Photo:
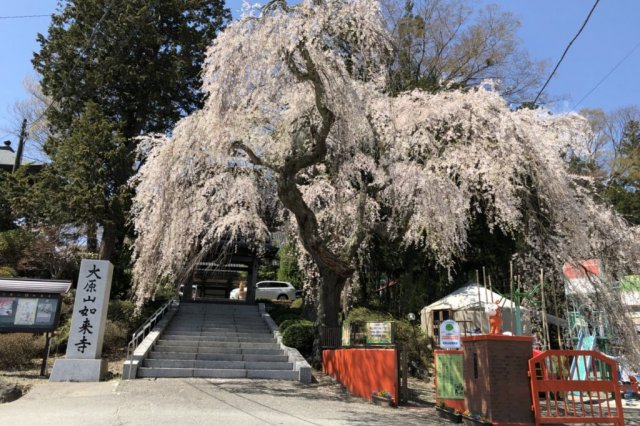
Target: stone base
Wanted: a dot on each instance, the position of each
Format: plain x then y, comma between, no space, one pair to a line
78,370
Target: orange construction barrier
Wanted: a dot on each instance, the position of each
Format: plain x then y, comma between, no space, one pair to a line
569,386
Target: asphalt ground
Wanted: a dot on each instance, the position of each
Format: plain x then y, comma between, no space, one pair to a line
213,402
201,402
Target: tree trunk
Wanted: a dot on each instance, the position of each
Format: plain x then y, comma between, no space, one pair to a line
328,319
92,238
108,243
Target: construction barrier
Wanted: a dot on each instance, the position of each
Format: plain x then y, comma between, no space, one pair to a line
569,386
363,370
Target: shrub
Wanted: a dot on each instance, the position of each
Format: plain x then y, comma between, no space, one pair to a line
364,314
299,336
288,323
297,304
408,337
284,317
8,271
115,337
17,350
413,340
121,310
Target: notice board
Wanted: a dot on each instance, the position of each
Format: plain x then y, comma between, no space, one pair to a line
29,312
449,375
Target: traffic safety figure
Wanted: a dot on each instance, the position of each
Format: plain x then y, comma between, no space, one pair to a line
495,317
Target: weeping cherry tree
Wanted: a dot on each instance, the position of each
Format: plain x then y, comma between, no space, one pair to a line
298,119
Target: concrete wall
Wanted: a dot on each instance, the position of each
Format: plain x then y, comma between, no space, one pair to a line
363,370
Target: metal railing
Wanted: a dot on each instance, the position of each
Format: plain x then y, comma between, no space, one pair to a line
138,336
331,337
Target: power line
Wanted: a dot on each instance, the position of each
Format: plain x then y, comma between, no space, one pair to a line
625,57
25,16
584,24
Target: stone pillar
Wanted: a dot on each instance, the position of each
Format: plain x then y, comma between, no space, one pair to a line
83,362
496,378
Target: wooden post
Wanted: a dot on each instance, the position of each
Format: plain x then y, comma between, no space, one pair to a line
484,282
490,288
511,280
545,326
45,356
478,284
555,312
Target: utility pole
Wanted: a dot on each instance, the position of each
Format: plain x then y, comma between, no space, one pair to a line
23,137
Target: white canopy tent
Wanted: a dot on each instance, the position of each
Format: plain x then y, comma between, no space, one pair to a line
466,306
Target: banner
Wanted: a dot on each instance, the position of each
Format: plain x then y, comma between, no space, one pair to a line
449,375
581,277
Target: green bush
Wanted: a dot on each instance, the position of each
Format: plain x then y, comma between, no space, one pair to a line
408,337
284,317
8,271
299,336
123,311
297,304
288,323
17,350
364,314
115,337
412,339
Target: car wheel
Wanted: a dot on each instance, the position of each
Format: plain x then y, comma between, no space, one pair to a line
283,297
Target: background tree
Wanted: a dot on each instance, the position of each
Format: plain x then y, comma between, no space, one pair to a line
611,161
127,67
298,116
623,189
445,44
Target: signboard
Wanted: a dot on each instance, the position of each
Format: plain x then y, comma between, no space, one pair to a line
449,335
449,375
29,312
582,276
380,333
346,334
90,310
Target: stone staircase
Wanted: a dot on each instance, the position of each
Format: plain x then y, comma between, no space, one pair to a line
217,340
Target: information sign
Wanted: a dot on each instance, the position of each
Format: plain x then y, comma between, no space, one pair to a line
449,335
29,312
380,333
449,377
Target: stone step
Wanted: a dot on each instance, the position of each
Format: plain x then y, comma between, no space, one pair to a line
218,357
217,365
218,338
217,373
218,333
209,350
218,324
214,344
262,328
219,327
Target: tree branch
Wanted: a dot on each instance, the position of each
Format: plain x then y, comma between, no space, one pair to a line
288,191
239,145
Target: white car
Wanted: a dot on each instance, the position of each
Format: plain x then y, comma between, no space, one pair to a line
280,290
235,294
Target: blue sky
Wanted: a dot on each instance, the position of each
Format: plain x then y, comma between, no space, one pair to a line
547,27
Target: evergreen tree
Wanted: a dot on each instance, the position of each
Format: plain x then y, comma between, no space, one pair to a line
624,188
114,69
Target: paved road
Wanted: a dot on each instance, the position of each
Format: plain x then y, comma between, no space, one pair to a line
210,402
200,402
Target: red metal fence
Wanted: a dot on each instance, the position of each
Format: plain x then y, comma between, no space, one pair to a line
570,386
